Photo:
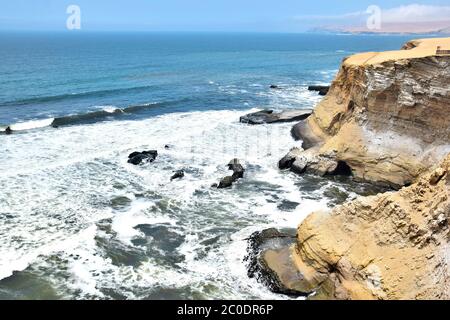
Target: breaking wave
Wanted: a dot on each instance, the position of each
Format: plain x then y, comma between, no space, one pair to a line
106,112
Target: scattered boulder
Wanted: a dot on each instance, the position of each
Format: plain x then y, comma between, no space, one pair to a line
258,117
238,173
166,147
133,154
269,116
137,158
274,86
226,182
323,90
177,175
237,168
286,162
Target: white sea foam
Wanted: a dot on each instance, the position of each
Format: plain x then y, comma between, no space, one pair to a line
124,223
62,183
33,124
110,109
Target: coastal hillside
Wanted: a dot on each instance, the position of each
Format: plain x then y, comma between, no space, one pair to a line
385,119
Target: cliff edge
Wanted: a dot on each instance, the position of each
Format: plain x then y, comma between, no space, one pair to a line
385,119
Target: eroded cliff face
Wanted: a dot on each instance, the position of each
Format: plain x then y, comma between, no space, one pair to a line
390,246
386,116
385,120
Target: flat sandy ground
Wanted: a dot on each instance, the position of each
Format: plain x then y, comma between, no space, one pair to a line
424,48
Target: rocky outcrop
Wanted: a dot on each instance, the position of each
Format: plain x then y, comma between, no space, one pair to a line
385,120
179,174
277,274
390,246
322,90
269,116
238,173
137,158
386,116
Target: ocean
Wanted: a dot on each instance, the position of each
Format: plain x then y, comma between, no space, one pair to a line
78,222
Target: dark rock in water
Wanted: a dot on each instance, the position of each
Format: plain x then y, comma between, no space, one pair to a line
238,173
8,130
166,147
144,156
137,159
178,175
226,182
258,117
151,153
323,90
268,260
237,168
274,86
214,185
286,162
269,116
133,154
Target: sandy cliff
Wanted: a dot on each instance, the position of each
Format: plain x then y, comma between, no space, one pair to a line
390,246
386,116
386,120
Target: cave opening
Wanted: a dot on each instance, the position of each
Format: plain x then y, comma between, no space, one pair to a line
342,169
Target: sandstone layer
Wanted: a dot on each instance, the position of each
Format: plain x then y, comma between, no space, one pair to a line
386,116
390,246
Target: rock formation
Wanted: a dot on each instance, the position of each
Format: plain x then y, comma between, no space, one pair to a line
386,116
177,175
268,271
269,116
390,246
385,120
238,173
137,158
322,90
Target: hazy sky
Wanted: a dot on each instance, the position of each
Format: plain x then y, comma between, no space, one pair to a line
208,15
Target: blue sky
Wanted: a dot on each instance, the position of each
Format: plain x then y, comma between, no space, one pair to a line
205,15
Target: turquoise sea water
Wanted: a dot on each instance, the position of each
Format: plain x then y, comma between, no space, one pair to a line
77,221
52,75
